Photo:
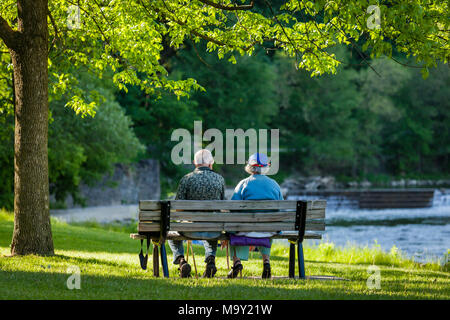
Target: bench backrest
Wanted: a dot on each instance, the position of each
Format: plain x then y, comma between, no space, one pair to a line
245,215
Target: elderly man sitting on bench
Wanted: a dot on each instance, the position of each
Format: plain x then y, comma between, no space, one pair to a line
201,184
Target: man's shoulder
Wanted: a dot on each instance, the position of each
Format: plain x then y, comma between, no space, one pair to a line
215,174
195,175
186,177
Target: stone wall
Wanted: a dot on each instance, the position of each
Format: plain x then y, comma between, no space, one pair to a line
128,185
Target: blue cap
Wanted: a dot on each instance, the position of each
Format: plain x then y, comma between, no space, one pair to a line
258,160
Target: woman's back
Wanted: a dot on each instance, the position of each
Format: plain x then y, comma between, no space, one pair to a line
257,187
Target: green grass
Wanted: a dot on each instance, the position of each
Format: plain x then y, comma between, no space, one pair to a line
110,269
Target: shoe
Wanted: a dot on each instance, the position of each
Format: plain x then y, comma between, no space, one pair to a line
237,267
266,274
185,269
211,269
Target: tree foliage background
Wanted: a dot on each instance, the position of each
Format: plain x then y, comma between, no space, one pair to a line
338,91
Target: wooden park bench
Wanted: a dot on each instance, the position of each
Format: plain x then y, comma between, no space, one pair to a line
164,220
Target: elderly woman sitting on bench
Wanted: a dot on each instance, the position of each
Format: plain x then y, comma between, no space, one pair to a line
256,187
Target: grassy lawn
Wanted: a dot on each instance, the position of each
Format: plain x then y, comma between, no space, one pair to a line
109,265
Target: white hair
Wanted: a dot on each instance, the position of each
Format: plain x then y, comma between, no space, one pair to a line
256,170
203,156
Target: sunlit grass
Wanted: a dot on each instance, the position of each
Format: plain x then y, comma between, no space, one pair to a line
109,269
374,255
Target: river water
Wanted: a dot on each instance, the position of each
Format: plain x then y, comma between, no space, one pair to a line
422,234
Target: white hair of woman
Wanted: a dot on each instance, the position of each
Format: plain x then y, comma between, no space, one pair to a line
256,170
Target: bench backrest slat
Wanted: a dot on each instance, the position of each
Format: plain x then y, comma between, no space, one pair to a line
212,215
230,204
220,226
231,217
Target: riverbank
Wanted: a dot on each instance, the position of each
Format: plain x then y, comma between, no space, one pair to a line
420,233
109,269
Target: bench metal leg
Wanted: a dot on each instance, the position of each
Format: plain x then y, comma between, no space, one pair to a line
292,260
301,261
155,261
164,260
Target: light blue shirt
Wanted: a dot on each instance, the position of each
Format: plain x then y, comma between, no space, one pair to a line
257,187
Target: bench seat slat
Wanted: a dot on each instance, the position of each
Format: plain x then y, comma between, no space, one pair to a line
218,226
177,236
231,217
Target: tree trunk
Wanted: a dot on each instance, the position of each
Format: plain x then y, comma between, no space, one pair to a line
32,230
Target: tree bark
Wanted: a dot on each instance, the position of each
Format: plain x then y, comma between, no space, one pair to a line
32,230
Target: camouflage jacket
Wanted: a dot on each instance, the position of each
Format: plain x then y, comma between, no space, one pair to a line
201,184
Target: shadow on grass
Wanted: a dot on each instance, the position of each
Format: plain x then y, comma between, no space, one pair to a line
74,238
35,285
121,280
71,259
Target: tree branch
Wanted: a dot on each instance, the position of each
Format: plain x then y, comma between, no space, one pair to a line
404,64
9,36
297,54
199,57
354,46
227,8
193,32
55,27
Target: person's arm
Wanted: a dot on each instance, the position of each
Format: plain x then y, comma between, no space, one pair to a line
222,196
182,190
278,191
280,194
237,195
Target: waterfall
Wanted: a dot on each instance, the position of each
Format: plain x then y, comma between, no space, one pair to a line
441,198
